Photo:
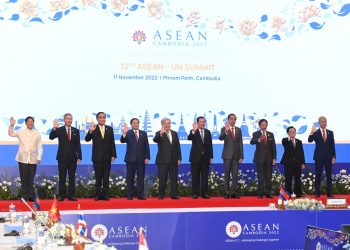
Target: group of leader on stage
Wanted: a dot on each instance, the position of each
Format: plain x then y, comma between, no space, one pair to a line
168,157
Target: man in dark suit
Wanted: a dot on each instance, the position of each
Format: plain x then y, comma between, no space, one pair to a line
324,154
168,158
201,156
232,154
103,153
264,158
68,155
136,157
293,160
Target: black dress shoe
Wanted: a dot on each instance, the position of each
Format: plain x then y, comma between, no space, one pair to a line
269,196
161,197
30,199
98,198
72,198
105,198
299,196
142,198
260,196
60,198
194,196
235,196
130,198
330,195
175,197
205,196
227,196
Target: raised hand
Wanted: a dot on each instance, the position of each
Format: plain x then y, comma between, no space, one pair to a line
162,131
227,127
55,123
92,127
194,126
125,129
12,121
313,129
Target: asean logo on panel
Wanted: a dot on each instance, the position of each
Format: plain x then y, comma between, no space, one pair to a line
139,36
233,229
99,232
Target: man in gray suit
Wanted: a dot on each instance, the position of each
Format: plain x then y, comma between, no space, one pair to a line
232,154
264,158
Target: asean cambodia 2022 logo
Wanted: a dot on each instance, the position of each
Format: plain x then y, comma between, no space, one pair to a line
99,232
139,36
233,229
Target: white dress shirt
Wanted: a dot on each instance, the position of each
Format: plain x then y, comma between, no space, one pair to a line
30,146
169,136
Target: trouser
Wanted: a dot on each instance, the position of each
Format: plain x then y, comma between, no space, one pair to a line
318,174
63,168
200,172
231,171
264,171
163,171
27,173
131,169
293,171
102,171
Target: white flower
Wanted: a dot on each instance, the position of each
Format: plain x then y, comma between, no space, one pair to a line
29,8
279,24
308,12
246,27
310,183
155,8
49,187
122,188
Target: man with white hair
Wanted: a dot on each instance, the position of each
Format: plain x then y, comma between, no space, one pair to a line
168,158
324,154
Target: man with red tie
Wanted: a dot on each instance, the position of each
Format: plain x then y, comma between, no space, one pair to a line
324,154
232,154
136,157
264,158
68,155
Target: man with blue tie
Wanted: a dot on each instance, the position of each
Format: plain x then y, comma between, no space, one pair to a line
324,154
136,157
201,156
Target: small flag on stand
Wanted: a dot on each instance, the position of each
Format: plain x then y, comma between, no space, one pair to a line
81,227
36,201
54,214
142,241
284,194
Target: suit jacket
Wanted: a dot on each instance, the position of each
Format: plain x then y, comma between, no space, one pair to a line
292,155
136,151
67,150
264,151
103,149
167,152
233,147
199,148
323,150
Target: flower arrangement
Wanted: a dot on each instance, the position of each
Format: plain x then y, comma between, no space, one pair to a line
247,184
304,204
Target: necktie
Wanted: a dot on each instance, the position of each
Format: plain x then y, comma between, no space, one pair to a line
324,137
293,140
167,134
136,136
233,132
264,137
202,135
102,129
68,133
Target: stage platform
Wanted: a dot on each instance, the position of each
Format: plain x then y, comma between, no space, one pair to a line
152,203
187,224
